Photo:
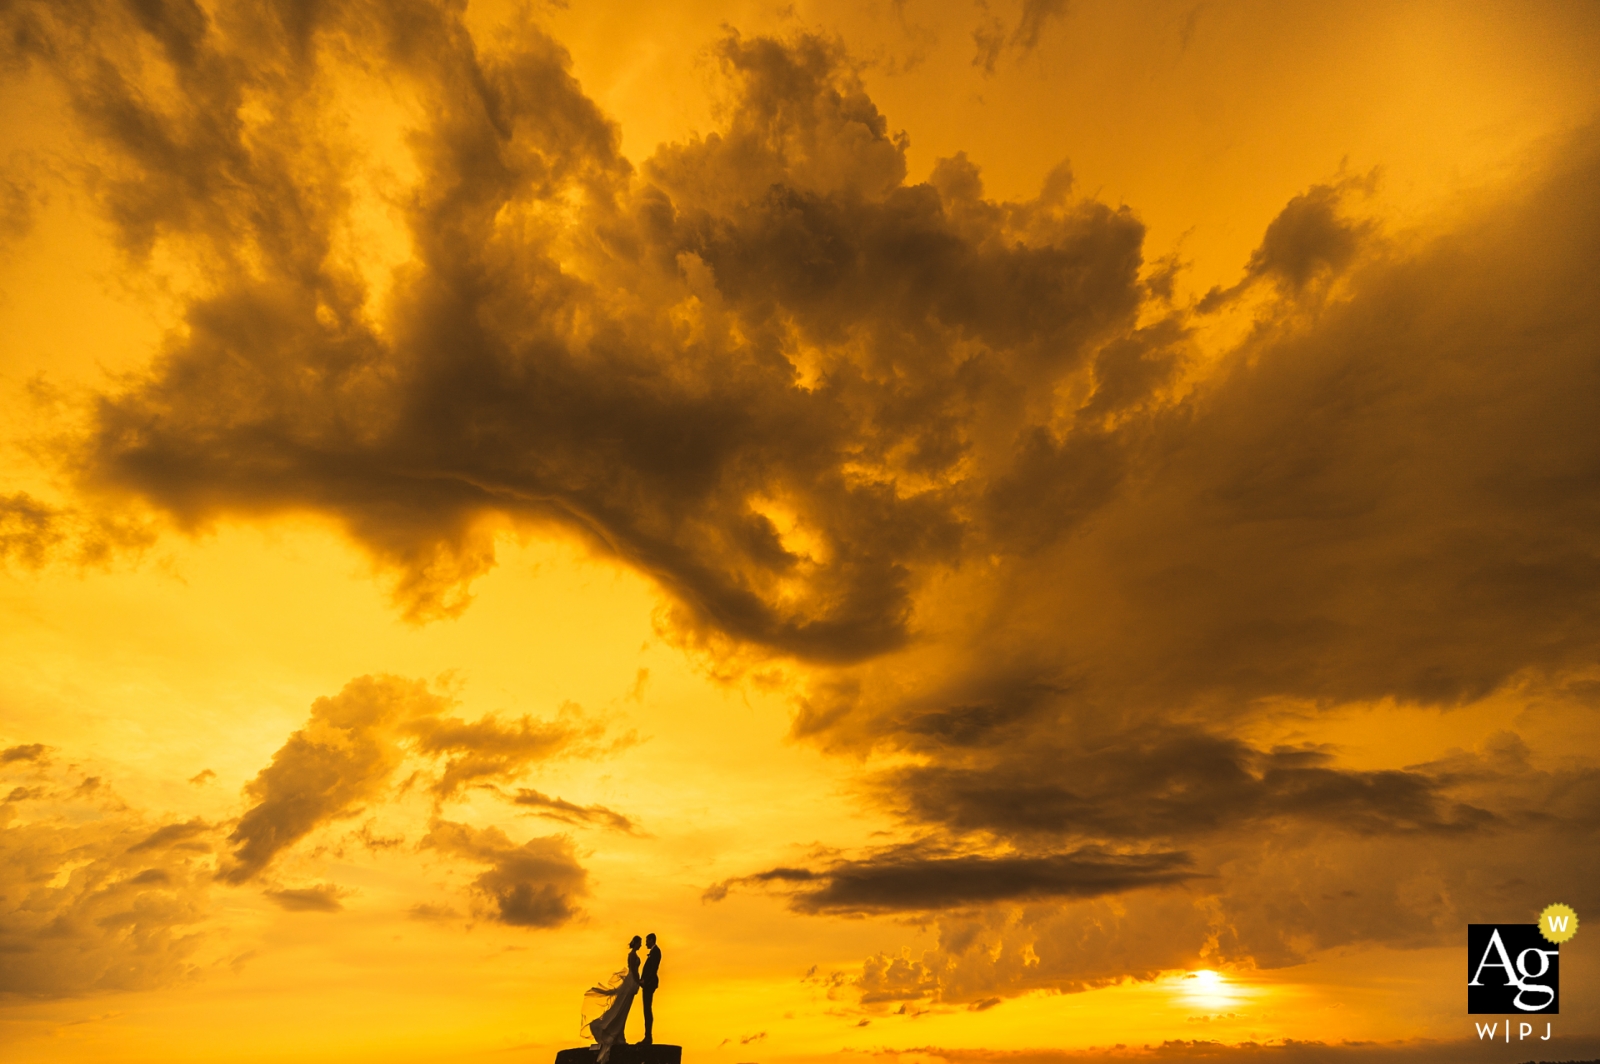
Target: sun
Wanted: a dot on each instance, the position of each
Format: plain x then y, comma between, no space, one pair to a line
1207,989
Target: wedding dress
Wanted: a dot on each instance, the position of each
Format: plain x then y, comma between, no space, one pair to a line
615,996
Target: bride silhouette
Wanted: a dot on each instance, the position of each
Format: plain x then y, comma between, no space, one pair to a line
615,996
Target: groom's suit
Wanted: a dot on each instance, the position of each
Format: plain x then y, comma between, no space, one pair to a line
649,979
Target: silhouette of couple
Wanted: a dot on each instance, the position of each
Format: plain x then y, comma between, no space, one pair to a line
617,996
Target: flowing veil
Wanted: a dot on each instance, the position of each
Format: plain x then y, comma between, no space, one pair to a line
598,998
605,1011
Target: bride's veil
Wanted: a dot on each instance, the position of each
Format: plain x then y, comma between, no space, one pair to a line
597,999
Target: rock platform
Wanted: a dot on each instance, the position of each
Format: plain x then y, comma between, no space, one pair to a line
655,1053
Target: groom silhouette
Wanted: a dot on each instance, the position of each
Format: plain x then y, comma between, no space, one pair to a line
648,981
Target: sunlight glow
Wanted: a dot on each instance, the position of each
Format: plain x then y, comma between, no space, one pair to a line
1210,991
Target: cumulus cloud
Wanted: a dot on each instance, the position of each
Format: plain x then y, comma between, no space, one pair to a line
349,750
342,758
536,884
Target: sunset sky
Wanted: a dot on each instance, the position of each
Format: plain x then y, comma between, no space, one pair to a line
1041,532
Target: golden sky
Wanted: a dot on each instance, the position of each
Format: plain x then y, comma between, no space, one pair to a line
1032,532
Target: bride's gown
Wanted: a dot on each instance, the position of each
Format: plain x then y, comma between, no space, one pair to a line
617,997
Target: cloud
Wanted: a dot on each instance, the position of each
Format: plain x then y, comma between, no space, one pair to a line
342,758
92,899
916,878
536,884
34,533
567,812
349,750
323,898
993,39
20,199
802,387
1311,235
719,891
1369,504
1025,783
25,752
488,749
28,530
764,372
1271,896
1312,238
181,836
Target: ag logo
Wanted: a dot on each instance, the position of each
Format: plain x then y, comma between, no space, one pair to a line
1511,968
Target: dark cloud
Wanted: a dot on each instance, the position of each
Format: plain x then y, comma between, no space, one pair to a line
536,884
571,813
1275,894
919,878
180,836
1407,439
801,386
759,373
1312,238
1311,235
323,898
1174,783
25,752
719,891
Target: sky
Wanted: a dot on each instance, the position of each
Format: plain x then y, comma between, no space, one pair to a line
1027,532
